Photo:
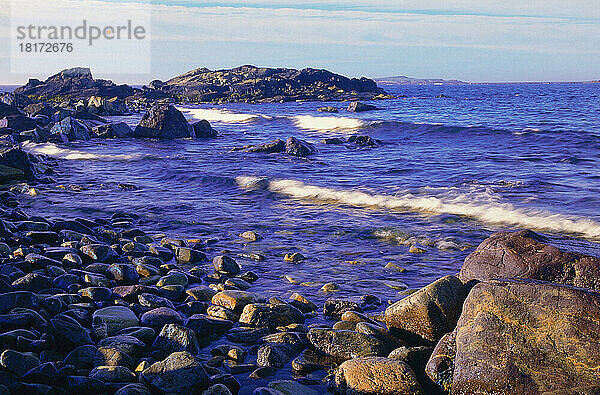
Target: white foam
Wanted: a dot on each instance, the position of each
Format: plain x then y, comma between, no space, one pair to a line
492,212
250,182
216,115
310,122
54,151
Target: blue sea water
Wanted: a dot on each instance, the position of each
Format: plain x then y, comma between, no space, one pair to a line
455,164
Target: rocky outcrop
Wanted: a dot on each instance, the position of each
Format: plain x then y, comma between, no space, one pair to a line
526,254
526,336
15,164
426,315
254,84
76,82
163,121
376,376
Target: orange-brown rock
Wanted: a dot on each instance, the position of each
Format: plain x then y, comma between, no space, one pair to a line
375,375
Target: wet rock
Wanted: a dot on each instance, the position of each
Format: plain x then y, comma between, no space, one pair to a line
83,384
310,360
431,312
336,307
298,147
133,389
217,389
330,287
160,316
17,362
177,374
302,303
234,300
294,257
201,293
115,318
360,107
120,350
226,265
526,254
113,374
247,335
222,312
271,315
173,278
525,336
202,129
45,373
174,338
141,333
205,326
11,300
271,147
376,376
363,141
290,387
185,255
276,354
112,130
327,109
32,282
71,129
333,141
69,331
344,345
81,357
96,294
123,273
440,366
165,122
250,235
154,301
98,252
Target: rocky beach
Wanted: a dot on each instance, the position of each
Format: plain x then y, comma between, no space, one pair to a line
102,295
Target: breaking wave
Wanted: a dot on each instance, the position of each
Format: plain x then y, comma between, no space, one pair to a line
52,150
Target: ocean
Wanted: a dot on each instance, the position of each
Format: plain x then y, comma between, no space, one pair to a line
454,164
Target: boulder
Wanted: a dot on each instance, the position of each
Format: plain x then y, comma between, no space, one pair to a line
174,338
7,110
112,130
39,108
70,129
260,314
15,158
344,344
202,129
374,375
179,373
165,122
428,314
227,265
526,336
19,123
360,107
270,147
115,318
234,300
526,254
298,147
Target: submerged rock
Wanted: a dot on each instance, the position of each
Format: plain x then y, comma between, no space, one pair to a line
298,147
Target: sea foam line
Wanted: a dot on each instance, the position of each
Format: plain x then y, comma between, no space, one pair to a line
487,212
52,150
217,115
310,122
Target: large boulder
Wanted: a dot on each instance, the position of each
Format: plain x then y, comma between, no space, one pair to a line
373,375
115,318
525,336
165,122
179,373
426,315
7,110
526,254
202,129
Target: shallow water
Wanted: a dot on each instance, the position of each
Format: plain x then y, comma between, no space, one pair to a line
449,171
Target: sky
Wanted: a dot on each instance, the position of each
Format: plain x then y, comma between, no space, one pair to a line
471,40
